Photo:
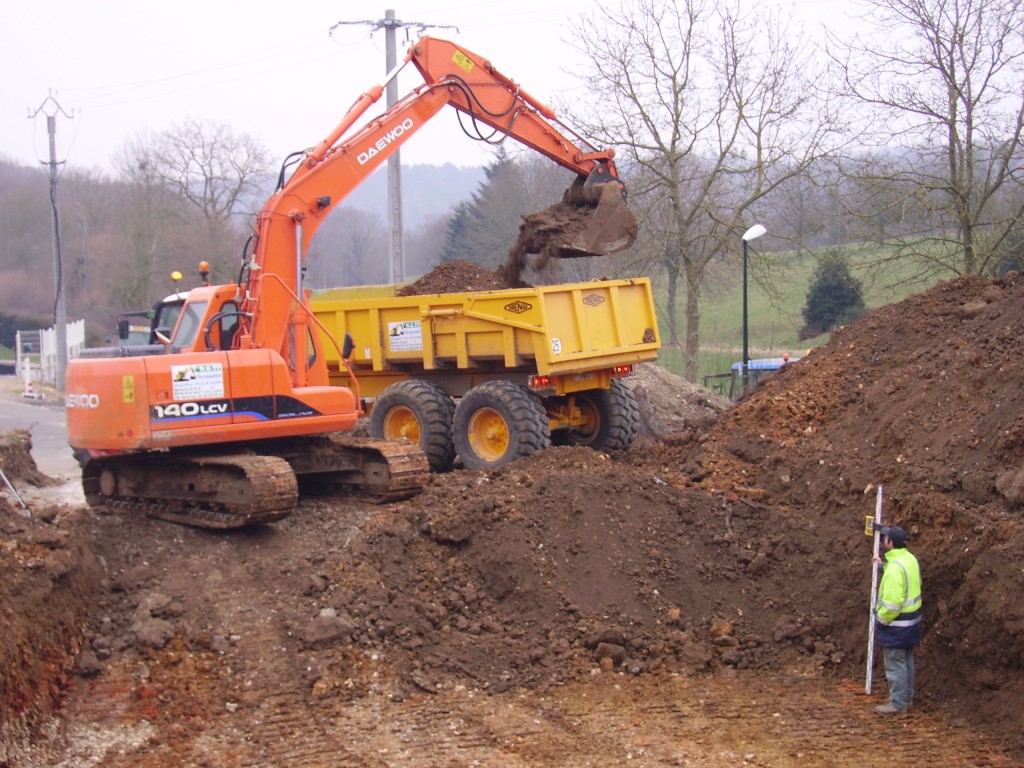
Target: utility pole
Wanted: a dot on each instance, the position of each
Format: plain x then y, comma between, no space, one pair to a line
389,24
51,108
394,162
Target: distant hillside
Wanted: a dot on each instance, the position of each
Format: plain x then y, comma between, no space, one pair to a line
428,191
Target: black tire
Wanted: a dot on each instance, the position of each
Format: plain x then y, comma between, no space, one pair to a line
612,419
497,422
421,412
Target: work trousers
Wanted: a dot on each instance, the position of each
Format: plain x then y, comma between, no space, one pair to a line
899,673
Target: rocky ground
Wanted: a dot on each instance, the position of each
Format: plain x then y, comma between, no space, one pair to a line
698,600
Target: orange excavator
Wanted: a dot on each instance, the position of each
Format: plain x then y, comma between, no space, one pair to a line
219,424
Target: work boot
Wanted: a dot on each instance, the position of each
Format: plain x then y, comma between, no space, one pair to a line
888,709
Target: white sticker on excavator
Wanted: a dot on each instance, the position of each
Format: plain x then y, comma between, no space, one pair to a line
405,336
197,381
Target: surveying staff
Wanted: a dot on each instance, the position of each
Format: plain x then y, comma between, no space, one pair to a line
898,615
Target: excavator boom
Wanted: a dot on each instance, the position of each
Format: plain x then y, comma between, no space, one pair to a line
588,221
218,425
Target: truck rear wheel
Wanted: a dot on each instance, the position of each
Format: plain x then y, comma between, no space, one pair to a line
497,422
421,412
611,419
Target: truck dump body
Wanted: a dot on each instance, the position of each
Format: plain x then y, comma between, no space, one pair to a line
490,376
564,332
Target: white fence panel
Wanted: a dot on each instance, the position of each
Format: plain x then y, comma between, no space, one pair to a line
37,351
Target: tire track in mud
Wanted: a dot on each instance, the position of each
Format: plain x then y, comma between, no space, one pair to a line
279,723
270,706
605,721
610,721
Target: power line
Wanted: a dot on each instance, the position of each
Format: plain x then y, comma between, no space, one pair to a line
216,74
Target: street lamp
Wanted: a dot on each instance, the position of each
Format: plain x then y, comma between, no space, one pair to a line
751,234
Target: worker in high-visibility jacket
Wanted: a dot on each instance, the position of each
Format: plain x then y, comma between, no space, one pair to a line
898,617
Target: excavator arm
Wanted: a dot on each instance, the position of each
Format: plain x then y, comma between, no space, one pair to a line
273,313
216,427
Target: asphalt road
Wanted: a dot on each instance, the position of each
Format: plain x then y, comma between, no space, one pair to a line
44,419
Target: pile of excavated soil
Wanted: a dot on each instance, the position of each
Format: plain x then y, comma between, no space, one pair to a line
47,583
16,458
542,570
924,399
921,398
672,408
723,540
457,277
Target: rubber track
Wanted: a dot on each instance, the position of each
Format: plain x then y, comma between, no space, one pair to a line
209,491
246,489
389,470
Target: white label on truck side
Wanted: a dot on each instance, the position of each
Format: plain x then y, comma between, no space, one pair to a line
405,336
197,381
556,346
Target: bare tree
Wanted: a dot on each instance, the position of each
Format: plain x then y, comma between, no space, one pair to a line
219,173
716,111
25,241
211,166
148,209
90,213
349,249
938,83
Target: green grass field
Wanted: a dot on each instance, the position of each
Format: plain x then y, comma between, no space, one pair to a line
774,318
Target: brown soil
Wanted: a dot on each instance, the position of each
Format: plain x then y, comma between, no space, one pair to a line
458,276
698,600
47,579
561,230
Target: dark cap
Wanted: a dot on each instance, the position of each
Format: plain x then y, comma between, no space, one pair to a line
896,534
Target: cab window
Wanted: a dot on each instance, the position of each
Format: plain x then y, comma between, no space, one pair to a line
189,323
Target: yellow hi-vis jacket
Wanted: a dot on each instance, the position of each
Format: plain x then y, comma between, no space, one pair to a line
898,607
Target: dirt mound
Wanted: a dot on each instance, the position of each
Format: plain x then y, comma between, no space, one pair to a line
725,540
47,579
671,407
541,570
457,277
16,458
923,398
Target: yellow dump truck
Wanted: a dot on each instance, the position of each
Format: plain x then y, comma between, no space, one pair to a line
491,376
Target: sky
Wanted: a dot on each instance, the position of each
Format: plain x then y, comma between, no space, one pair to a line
112,70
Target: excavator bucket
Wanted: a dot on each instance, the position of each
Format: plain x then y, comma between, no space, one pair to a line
591,219
608,226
